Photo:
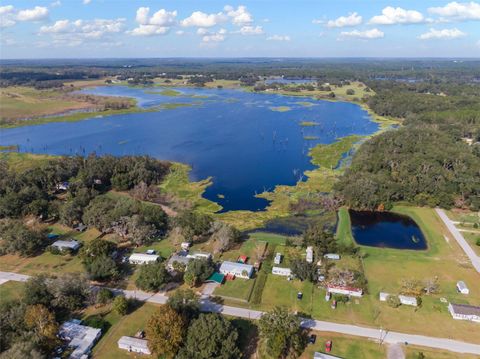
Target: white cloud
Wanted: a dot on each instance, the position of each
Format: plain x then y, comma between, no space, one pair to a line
251,30
478,44
447,34
202,19
215,37
318,21
391,16
9,16
157,24
367,34
56,3
202,31
458,11
240,16
180,32
352,19
279,38
86,2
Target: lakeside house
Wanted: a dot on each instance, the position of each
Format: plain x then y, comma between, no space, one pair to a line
71,245
79,337
278,258
464,312
407,300
332,256
177,259
134,345
309,257
345,290
237,269
462,287
143,258
287,272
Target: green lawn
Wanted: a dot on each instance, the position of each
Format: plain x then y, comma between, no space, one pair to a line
11,291
344,227
238,288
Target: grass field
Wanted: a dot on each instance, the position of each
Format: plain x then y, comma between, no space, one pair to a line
328,156
11,291
281,108
238,288
344,227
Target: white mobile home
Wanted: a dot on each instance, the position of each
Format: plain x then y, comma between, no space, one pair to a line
406,300
134,345
309,257
332,256
282,271
237,269
72,245
336,289
200,255
278,258
79,337
462,287
464,312
143,258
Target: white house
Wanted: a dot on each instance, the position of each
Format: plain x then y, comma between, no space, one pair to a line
406,300
383,296
62,245
237,269
143,258
185,245
199,255
278,258
332,256
134,345
179,259
462,287
309,258
337,289
79,337
282,271
464,312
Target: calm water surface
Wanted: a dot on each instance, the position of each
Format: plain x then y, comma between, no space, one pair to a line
386,229
237,138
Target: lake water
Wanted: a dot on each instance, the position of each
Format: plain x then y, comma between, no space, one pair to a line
245,141
386,229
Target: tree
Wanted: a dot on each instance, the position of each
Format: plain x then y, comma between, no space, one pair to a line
120,305
393,301
15,237
152,277
23,349
193,224
104,296
198,270
281,334
101,268
37,291
224,236
42,322
323,240
210,336
185,302
71,291
165,331
304,270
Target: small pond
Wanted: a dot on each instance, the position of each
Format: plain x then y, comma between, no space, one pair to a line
386,230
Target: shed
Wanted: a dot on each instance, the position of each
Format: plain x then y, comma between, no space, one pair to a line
242,259
79,337
237,269
185,245
69,245
278,258
216,277
332,256
462,287
406,300
52,236
135,345
282,271
143,258
383,296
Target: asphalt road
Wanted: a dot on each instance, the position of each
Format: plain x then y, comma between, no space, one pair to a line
460,240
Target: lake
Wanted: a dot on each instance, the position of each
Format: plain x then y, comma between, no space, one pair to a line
386,229
247,142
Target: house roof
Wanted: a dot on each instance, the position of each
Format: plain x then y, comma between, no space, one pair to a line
73,244
144,257
230,266
351,289
465,309
133,342
216,277
461,285
80,337
179,259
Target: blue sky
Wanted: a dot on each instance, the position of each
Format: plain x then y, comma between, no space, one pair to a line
212,28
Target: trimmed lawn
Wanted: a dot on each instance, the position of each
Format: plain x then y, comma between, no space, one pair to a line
129,324
163,247
11,291
238,288
472,239
344,227
413,351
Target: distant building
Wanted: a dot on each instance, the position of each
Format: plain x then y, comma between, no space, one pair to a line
278,258
383,296
237,269
72,245
177,259
143,258
81,227
282,271
309,257
406,300
185,245
79,337
337,289
462,287
134,345
199,255
464,312
62,186
332,256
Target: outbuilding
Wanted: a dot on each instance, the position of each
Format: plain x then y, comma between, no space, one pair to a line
407,300
199,255
71,245
237,269
79,337
462,287
464,312
332,256
143,258
134,345
282,271
383,296
278,258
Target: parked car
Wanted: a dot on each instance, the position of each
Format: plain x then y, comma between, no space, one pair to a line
312,339
299,295
328,346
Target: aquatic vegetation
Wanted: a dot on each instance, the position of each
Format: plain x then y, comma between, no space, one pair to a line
308,123
281,108
305,103
310,138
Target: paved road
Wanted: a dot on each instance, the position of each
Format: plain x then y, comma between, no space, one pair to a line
385,336
459,238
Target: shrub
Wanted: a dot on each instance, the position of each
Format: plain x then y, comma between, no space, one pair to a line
104,296
120,305
393,301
